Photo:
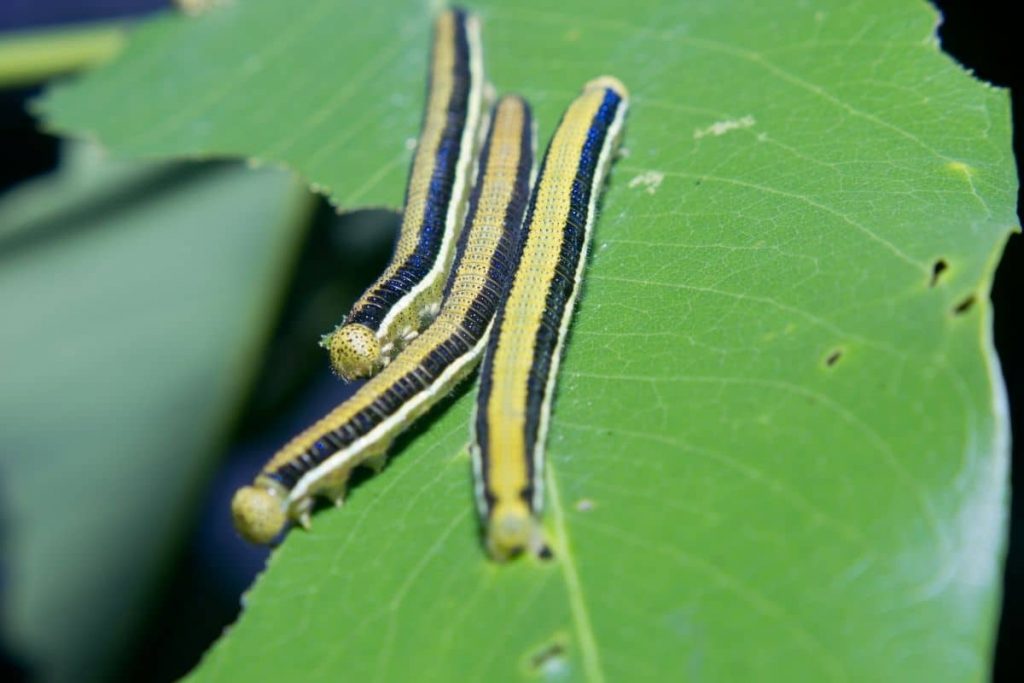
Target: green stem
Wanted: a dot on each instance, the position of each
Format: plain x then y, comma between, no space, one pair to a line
35,56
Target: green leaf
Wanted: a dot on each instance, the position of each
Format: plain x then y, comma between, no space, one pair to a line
135,300
780,439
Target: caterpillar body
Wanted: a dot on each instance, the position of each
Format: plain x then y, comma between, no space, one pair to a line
517,378
406,297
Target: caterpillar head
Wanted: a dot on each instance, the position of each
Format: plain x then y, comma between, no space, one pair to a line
511,530
607,83
355,351
259,514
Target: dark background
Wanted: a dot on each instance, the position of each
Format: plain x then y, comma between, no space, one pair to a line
200,596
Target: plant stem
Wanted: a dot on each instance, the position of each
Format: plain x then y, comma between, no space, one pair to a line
34,56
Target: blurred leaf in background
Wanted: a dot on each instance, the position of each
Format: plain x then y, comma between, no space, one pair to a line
780,440
136,298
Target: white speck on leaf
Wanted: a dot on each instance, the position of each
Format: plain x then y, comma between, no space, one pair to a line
722,127
649,181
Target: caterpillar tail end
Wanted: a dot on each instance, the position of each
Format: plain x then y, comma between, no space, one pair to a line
355,351
511,531
258,513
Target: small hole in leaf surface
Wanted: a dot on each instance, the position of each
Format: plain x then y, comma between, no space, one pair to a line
938,268
964,306
549,659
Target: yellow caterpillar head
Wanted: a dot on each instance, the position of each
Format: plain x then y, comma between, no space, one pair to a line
259,514
355,351
511,530
609,83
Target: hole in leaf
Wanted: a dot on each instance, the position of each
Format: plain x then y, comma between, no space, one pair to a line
938,268
964,305
549,659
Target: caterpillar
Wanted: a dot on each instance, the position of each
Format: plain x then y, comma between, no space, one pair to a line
197,7
517,378
406,297
319,460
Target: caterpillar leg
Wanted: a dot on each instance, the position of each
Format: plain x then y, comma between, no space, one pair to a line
336,493
377,458
334,486
302,511
429,312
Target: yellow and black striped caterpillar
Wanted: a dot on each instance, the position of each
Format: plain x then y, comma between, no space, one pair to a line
517,377
405,298
319,460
